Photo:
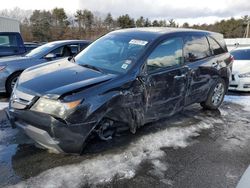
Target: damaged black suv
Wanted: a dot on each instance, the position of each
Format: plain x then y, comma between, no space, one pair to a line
123,80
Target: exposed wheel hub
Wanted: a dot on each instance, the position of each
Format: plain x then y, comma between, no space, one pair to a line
106,130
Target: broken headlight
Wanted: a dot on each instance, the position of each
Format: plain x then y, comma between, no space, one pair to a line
246,75
54,107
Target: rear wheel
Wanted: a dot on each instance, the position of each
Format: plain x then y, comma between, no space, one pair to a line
11,82
215,95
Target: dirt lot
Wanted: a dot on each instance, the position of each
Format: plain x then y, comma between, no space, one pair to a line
195,148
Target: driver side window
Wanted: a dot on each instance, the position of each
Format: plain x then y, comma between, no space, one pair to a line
63,51
167,54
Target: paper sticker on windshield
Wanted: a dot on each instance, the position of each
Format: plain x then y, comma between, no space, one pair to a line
124,66
128,62
138,42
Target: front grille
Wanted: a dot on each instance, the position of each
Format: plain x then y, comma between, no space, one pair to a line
21,100
235,86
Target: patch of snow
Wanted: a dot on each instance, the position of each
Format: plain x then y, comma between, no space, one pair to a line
3,105
122,164
241,100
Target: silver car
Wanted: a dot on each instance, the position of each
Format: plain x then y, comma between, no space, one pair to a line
12,67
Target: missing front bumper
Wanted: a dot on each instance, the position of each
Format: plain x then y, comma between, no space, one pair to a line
41,137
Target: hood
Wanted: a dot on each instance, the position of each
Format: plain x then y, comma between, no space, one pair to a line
14,59
241,66
58,78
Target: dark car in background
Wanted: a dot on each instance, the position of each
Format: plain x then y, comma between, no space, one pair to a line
31,45
12,67
122,81
11,43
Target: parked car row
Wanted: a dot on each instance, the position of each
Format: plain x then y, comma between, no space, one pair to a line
11,67
121,81
241,70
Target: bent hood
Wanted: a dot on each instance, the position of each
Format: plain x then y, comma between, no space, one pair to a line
241,66
56,79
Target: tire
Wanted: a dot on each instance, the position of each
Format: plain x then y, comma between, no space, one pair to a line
215,95
10,83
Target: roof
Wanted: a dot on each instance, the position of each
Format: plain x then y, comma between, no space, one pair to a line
154,32
242,48
6,18
67,41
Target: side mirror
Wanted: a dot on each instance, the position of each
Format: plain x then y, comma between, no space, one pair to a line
50,56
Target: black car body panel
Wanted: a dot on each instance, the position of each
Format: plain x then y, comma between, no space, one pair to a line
77,77
133,98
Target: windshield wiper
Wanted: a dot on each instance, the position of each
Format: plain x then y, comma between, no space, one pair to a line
92,67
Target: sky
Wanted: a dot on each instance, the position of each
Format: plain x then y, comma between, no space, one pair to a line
192,11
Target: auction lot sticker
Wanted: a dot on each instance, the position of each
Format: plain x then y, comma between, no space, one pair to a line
138,42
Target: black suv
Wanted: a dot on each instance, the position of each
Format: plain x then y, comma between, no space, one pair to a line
123,80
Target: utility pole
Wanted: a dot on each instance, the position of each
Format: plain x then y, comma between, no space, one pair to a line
247,29
246,34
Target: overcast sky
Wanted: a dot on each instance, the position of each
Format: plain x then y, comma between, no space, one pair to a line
192,11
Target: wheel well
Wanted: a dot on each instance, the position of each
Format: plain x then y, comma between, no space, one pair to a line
19,72
226,81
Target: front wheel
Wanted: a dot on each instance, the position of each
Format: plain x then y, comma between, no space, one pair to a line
215,95
11,82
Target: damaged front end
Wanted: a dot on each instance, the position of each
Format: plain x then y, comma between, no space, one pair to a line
63,125
45,121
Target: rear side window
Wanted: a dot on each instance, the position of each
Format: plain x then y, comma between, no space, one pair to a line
8,40
243,54
166,54
215,47
196,48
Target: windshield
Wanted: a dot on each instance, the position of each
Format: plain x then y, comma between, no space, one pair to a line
39,50
112,53
241,54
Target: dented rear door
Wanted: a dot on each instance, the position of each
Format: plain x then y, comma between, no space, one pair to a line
166,81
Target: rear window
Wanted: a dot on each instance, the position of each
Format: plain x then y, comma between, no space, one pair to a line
241,54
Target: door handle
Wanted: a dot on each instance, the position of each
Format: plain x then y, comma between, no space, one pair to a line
180,77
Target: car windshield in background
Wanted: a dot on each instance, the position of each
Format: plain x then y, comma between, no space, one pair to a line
39,50
114,54
241,54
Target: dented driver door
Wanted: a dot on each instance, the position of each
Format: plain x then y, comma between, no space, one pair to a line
166,80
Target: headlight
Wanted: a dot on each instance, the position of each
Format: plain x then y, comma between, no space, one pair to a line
246,75
54,107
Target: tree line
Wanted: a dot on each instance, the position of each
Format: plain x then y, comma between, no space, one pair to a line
56,24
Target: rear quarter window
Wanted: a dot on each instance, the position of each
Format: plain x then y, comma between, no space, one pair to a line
196,48
215,47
